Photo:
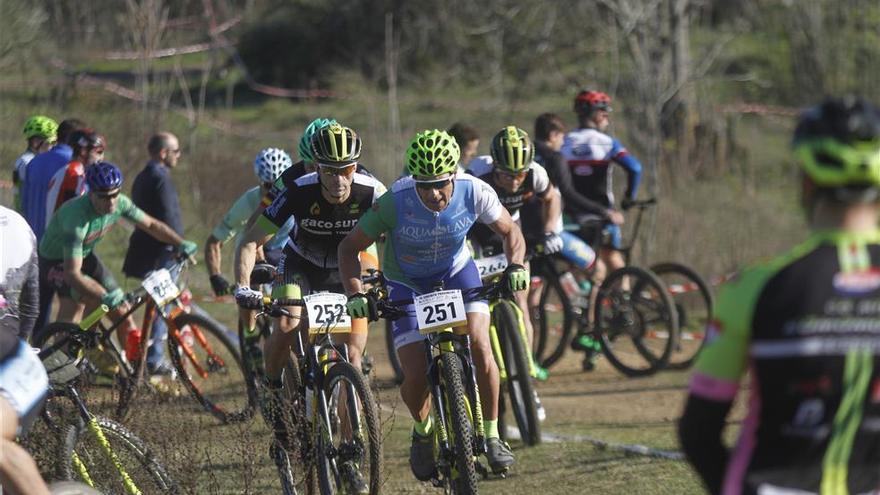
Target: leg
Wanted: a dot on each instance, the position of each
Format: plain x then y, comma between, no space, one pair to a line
414,389
18,471
277,347
484,360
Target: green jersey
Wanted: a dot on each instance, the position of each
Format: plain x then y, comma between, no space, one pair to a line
76,228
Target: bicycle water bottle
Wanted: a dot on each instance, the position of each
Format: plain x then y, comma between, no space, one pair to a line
572,290
133,345
187,336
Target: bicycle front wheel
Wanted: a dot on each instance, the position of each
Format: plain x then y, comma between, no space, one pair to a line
553,321
105,455
519,384
464,479
693,304
210,367
635,321
353,446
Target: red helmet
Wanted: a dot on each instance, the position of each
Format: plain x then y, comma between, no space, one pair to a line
587,101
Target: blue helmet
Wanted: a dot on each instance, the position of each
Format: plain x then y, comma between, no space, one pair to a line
103,176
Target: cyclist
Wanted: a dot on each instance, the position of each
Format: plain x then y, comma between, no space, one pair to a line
23,380
426,217
325,206
516,178
268,167
590,154
40,132
69,182
70,267
804,328
468,141
39,171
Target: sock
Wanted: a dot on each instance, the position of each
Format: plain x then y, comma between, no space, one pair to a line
491,427
250,333
424,428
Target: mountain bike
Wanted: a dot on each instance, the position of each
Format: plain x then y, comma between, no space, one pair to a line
690,293
205,358
93,449
340,434
510,348
459,433
633,319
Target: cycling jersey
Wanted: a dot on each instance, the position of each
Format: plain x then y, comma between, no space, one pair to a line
19,174
34,191
806,327
238,215
319,226
423,243
573,201
76,227
536,183
589,155
67,183
19,289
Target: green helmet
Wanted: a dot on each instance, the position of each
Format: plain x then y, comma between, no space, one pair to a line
837,143
336,144
305,142
40,126
432,153
512,149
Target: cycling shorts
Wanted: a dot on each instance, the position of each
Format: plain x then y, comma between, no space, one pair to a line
575,250
298,276
52,275
405,330
24,383
610,238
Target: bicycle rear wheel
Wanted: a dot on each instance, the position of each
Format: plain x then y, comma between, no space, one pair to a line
518,384
210,367
693,304
130,463
464,479
553,321
355,437
635,321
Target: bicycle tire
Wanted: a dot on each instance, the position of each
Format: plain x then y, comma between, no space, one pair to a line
234,385
552,339
396,368
520,388
152,477
299,427
647,296
694,306
368,415
452,375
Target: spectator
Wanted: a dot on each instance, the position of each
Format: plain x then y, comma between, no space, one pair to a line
154,192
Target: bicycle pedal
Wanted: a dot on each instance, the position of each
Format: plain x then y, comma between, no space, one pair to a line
482,471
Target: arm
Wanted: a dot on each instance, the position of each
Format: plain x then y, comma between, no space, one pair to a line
699,432
551,206
159,230
514,244
632,167
349,262
246,253
213,256
29,299
75,278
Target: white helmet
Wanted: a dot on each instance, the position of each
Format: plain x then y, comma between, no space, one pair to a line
270,163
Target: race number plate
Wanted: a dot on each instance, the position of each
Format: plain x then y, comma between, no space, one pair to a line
327,308
160,286
492,265
439,310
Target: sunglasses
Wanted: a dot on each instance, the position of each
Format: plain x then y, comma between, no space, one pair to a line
106,195
512,175
433,185
345,171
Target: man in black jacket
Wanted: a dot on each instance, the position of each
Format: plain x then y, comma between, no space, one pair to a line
154,192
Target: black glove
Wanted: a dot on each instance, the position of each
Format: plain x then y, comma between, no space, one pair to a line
263,273
220,285
626,203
